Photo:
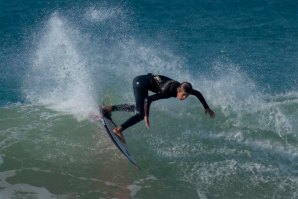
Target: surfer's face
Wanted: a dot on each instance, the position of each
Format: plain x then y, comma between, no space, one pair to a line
182,95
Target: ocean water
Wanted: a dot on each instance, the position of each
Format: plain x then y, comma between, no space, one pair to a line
60,59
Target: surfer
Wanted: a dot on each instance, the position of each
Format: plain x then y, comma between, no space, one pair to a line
164,88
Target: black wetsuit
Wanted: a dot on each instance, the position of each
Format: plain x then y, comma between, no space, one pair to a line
162,86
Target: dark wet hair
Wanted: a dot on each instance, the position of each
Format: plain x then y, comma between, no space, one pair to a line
186,87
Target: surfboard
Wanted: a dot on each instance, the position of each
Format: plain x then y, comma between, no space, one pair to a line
109,125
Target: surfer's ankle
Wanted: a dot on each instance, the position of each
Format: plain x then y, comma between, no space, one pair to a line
118,130
107,109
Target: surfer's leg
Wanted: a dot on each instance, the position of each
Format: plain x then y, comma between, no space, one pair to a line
132,121
107,110
123,107
140,87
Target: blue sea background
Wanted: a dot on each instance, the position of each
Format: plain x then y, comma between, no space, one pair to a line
61,59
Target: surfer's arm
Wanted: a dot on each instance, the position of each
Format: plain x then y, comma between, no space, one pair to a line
199,95
146,113
147,104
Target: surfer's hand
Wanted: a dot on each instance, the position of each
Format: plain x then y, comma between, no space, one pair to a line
209,112
146,118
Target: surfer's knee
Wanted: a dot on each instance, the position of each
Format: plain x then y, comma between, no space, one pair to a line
140,114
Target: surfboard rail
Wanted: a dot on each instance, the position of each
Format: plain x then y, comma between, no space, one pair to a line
109,125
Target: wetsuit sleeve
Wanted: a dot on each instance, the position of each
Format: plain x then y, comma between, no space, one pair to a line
200,97
152,98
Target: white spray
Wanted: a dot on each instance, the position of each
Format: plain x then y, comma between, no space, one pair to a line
59,77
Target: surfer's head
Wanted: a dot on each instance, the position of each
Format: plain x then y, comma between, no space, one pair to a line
184,90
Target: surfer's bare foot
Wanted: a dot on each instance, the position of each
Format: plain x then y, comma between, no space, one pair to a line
107,111
118,131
